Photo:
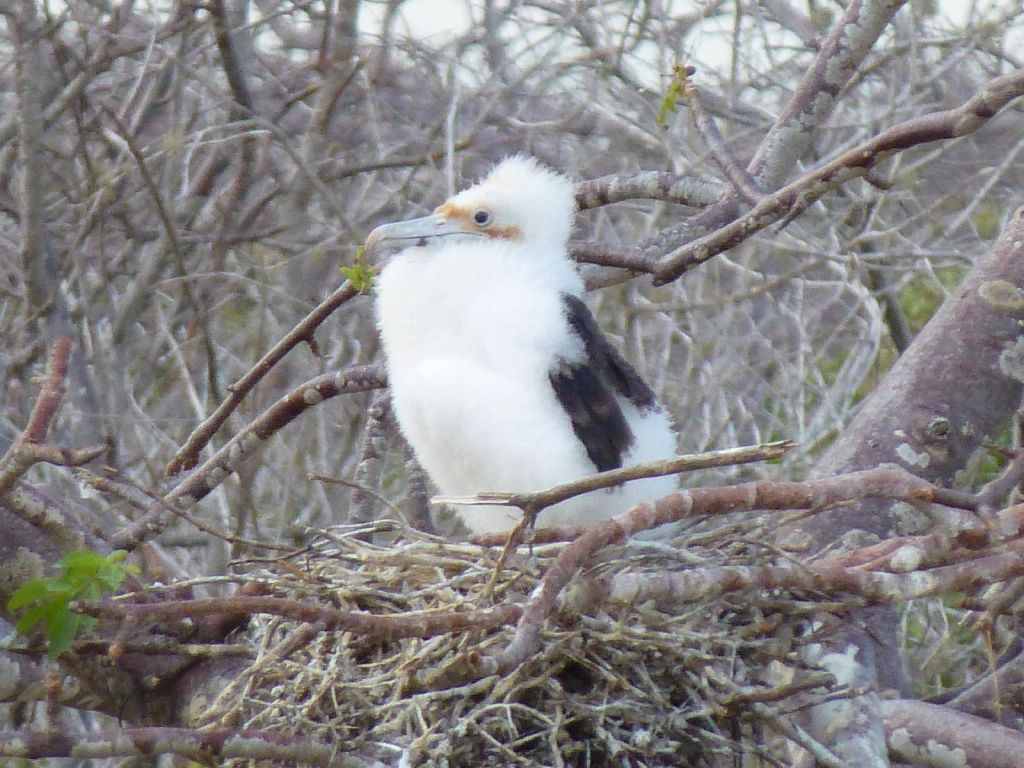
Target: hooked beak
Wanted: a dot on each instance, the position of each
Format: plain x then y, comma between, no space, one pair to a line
415,232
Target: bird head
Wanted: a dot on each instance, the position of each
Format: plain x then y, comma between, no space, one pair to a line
520,201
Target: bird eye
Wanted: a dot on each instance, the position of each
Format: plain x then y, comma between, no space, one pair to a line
482,218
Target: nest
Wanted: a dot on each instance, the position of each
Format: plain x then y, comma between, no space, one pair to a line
640,685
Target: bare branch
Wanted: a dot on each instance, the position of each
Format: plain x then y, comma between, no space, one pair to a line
227,460
824,577
17,461
28,34
188,455
743,183
229,59
919,733
794,198
371,458
188,742
541,500
793,20
844,48
885,483
648,185
380,627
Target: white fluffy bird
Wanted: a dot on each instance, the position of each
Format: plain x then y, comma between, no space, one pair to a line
500,378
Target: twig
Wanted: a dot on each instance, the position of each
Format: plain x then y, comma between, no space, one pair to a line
996,491
110,48
371,459
242,107
981,696
346,171
229,699
794,198
141,497
815,494
224,462
541,500
188,455
189,742
173,241
383,627
125,136
791,730
168,646
26,451
359,488
744,184
229,59
792,19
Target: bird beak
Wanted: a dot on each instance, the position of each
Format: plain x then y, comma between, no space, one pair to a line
415,232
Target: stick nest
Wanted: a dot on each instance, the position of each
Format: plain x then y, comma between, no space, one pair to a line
638,685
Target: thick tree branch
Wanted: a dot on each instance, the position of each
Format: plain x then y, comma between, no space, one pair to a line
826,577
841,53
937,737
921,416
534,503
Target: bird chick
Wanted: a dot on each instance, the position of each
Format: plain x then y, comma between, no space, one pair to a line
501,379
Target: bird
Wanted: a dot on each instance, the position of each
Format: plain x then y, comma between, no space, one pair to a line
501,379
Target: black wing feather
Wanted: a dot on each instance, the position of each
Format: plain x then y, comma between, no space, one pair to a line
587,388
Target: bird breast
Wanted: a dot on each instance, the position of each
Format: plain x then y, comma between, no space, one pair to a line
470,339
483,302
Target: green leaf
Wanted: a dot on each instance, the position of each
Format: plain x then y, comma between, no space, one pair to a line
360,273
61,630
29,592
82,575
673,95
81,562
116,557
107,582
113,570
30,618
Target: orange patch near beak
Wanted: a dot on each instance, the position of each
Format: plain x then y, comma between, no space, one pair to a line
450,211
464,218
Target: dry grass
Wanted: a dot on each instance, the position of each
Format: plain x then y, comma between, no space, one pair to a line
648,684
